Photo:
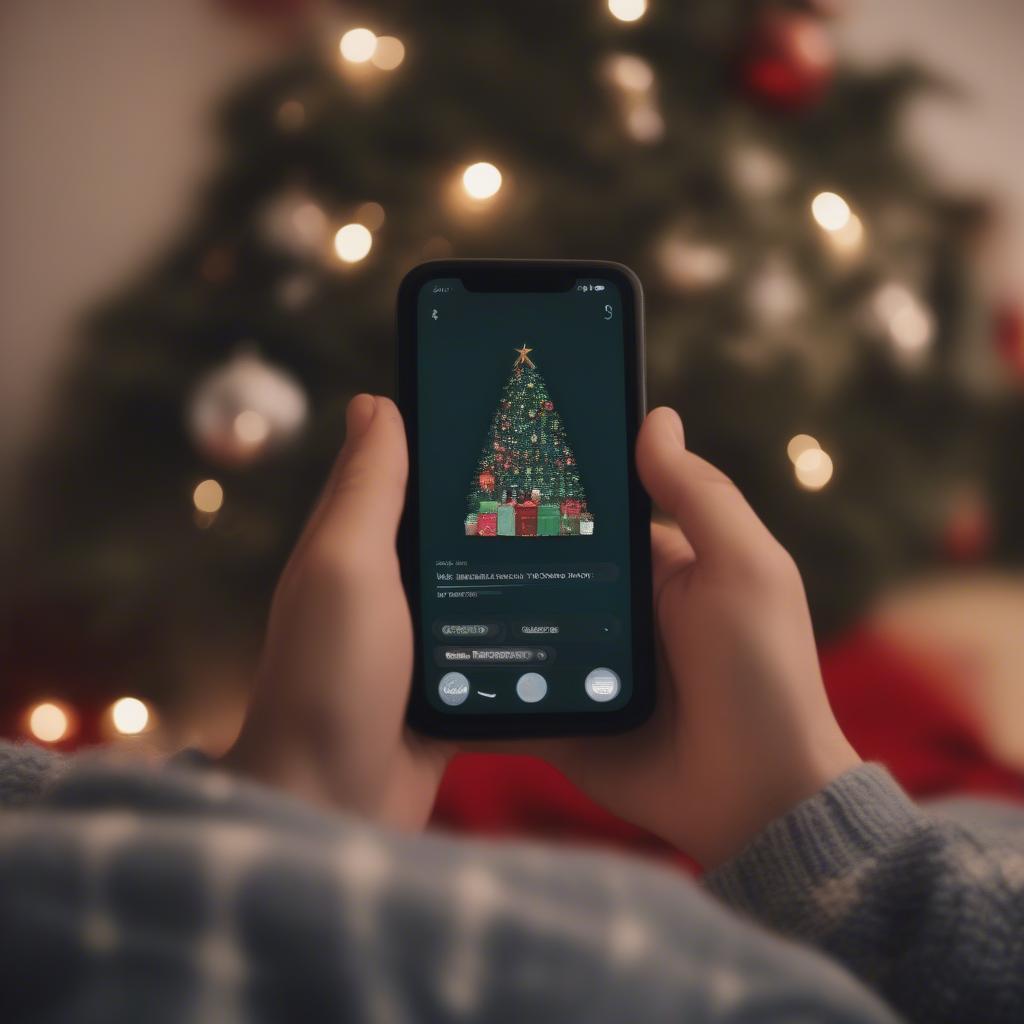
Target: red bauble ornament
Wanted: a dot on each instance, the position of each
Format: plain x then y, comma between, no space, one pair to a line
549,406
487,481
790,60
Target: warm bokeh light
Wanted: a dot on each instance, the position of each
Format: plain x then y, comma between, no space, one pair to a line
627,10
908,322
129,715
251,427
481,180
388,53
309,223
631,73
831,211
358,45
645,124
370,215
353,242
208,497
813,469
799,444
48,722
850,237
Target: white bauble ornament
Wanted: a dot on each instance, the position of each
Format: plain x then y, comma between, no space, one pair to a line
245,409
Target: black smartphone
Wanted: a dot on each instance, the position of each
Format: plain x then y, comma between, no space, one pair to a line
525,543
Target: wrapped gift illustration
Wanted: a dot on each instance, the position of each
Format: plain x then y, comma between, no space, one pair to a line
549,521
487,524
507,520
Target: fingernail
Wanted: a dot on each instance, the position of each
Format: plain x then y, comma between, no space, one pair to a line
359,416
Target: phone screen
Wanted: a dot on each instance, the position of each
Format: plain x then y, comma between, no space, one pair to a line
525,576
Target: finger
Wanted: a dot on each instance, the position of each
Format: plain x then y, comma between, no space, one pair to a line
362,502
671,554
714,517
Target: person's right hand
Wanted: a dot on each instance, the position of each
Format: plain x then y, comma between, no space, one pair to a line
742,730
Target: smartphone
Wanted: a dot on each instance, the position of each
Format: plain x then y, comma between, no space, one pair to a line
525,543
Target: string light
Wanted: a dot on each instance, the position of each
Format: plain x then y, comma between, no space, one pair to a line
645,124
353,242
251,428
481,180
129,715
633,74
799,444
371,215
358,45
813,468
627,10
831,211
849,238
49,722
908,322
208,497
388,53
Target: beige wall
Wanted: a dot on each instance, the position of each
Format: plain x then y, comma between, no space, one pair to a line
102,122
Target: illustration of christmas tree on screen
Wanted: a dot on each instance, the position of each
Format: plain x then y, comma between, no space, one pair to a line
527,481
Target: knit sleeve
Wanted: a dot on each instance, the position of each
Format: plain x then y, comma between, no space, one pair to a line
927,910
25,772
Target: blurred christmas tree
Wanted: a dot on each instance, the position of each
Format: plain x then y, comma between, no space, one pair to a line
809,299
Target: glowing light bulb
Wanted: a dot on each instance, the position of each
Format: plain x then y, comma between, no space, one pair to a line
208,497
482,180
48,722
129,715
813,469
388,53
831,211
358,45
627,10
353,242
799,444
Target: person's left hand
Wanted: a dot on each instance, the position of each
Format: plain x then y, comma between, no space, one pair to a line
327,720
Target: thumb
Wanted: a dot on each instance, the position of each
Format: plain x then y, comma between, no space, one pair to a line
363,500
706,504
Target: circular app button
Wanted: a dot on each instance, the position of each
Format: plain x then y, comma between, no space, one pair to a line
602,684
453,688
531,687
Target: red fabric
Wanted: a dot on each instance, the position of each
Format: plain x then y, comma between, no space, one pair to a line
891,706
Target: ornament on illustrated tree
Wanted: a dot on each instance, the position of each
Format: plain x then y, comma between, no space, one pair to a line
244,410
531,476
789,60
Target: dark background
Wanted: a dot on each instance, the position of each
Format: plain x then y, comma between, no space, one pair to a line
465,358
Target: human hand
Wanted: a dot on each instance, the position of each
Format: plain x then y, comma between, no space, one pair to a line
742,730
327,720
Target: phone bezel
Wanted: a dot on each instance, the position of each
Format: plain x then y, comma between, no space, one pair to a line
526,276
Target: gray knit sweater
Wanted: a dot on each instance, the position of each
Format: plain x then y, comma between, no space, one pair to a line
132,893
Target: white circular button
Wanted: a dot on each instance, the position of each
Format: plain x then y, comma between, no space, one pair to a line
453,688
602,684
531,687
